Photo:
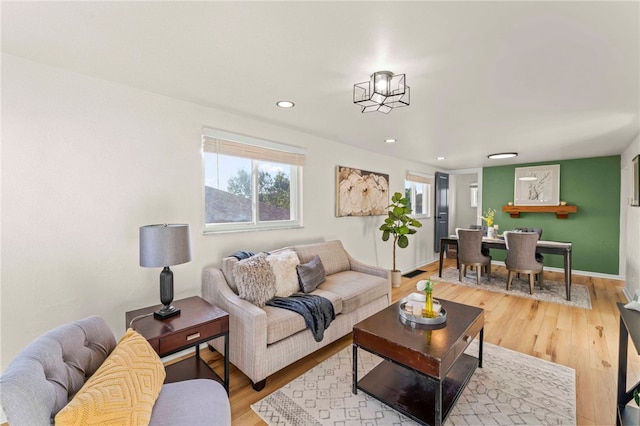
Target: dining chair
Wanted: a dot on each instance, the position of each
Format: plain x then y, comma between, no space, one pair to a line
521,257
485,250
470,253
539,256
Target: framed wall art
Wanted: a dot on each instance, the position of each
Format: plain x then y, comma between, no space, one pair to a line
537,186
361,192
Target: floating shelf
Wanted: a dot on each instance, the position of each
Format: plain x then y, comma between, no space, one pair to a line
562,212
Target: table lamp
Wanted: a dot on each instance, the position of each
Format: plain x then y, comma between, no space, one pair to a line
164,246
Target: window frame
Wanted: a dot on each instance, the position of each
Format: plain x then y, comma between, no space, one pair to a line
414,180
295,181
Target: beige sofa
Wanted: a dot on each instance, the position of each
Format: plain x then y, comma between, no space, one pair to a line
265,340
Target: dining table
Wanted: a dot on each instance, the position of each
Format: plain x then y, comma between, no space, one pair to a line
547,247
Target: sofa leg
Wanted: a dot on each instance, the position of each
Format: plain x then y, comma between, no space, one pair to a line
259,386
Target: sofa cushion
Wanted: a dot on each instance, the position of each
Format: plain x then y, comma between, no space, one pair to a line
283,264
255,279
282,323
227,270
311,274
332,253
356,289
122,391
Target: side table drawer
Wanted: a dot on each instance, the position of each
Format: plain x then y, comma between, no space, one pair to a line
187,337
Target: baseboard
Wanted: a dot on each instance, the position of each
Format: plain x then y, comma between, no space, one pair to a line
574,271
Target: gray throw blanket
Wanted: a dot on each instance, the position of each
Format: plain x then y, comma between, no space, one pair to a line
317,311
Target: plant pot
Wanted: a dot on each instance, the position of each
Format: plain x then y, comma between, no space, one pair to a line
396,278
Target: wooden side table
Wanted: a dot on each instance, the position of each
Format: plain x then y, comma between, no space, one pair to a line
629,329
198,322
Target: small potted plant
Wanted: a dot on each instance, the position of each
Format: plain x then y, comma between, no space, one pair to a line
400,225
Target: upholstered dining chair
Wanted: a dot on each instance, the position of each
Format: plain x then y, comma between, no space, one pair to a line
539,256
521,257
470,253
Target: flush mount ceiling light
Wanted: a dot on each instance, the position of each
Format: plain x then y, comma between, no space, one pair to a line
441,158
502,155
391,140
382,93
285,104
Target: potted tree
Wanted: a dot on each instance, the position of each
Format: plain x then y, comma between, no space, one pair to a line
400,225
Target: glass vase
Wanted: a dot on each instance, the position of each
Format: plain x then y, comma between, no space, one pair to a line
428,305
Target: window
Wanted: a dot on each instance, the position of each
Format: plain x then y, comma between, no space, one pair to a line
250,183
473,194
417,188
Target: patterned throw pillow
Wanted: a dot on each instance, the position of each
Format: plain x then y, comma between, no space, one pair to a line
122,391
311,274
255,280
283,264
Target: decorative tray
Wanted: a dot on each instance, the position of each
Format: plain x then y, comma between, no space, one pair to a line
441,318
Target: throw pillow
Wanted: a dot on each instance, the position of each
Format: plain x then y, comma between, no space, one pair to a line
255,280
122,391
311,274
283,264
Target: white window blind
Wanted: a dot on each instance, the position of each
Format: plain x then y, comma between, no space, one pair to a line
419,178
226,147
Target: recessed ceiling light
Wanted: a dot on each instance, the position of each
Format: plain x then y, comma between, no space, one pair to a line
502,155
285,104
441,158
391,140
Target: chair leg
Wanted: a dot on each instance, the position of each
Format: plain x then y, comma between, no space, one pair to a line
489,271
460,272
531,278
478,273
509,279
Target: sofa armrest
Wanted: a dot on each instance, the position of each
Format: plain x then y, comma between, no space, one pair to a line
247,324
368,269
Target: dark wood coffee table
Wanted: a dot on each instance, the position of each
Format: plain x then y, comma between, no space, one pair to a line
424,370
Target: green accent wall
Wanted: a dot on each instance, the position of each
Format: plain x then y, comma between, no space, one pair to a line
592,184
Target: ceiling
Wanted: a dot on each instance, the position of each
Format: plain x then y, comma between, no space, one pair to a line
550,80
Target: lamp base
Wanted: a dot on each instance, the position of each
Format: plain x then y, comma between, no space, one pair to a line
167,311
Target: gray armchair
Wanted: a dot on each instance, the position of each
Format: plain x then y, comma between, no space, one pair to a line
46,375
521,257
470,253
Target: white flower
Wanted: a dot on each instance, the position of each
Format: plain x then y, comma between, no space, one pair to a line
425,285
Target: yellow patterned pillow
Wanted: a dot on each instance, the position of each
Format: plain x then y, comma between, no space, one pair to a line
122,391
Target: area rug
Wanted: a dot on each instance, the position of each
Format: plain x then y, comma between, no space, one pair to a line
511,388
554,291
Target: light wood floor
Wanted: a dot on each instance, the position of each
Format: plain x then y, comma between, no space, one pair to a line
585,340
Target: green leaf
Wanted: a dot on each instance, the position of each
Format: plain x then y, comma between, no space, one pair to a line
403,241
385,236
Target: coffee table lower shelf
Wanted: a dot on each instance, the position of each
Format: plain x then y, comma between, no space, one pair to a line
413,394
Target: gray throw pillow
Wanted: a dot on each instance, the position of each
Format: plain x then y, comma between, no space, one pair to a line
311,274
255,280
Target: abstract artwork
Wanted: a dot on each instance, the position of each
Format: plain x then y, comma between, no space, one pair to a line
360,192
537,186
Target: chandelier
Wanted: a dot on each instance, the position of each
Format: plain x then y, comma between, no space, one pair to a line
382,93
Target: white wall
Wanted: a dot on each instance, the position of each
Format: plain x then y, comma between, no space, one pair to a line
465,215
86,162
629,223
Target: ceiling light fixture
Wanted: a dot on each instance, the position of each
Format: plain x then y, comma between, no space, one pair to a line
391,140
285,104
502,155
441,158
382,93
